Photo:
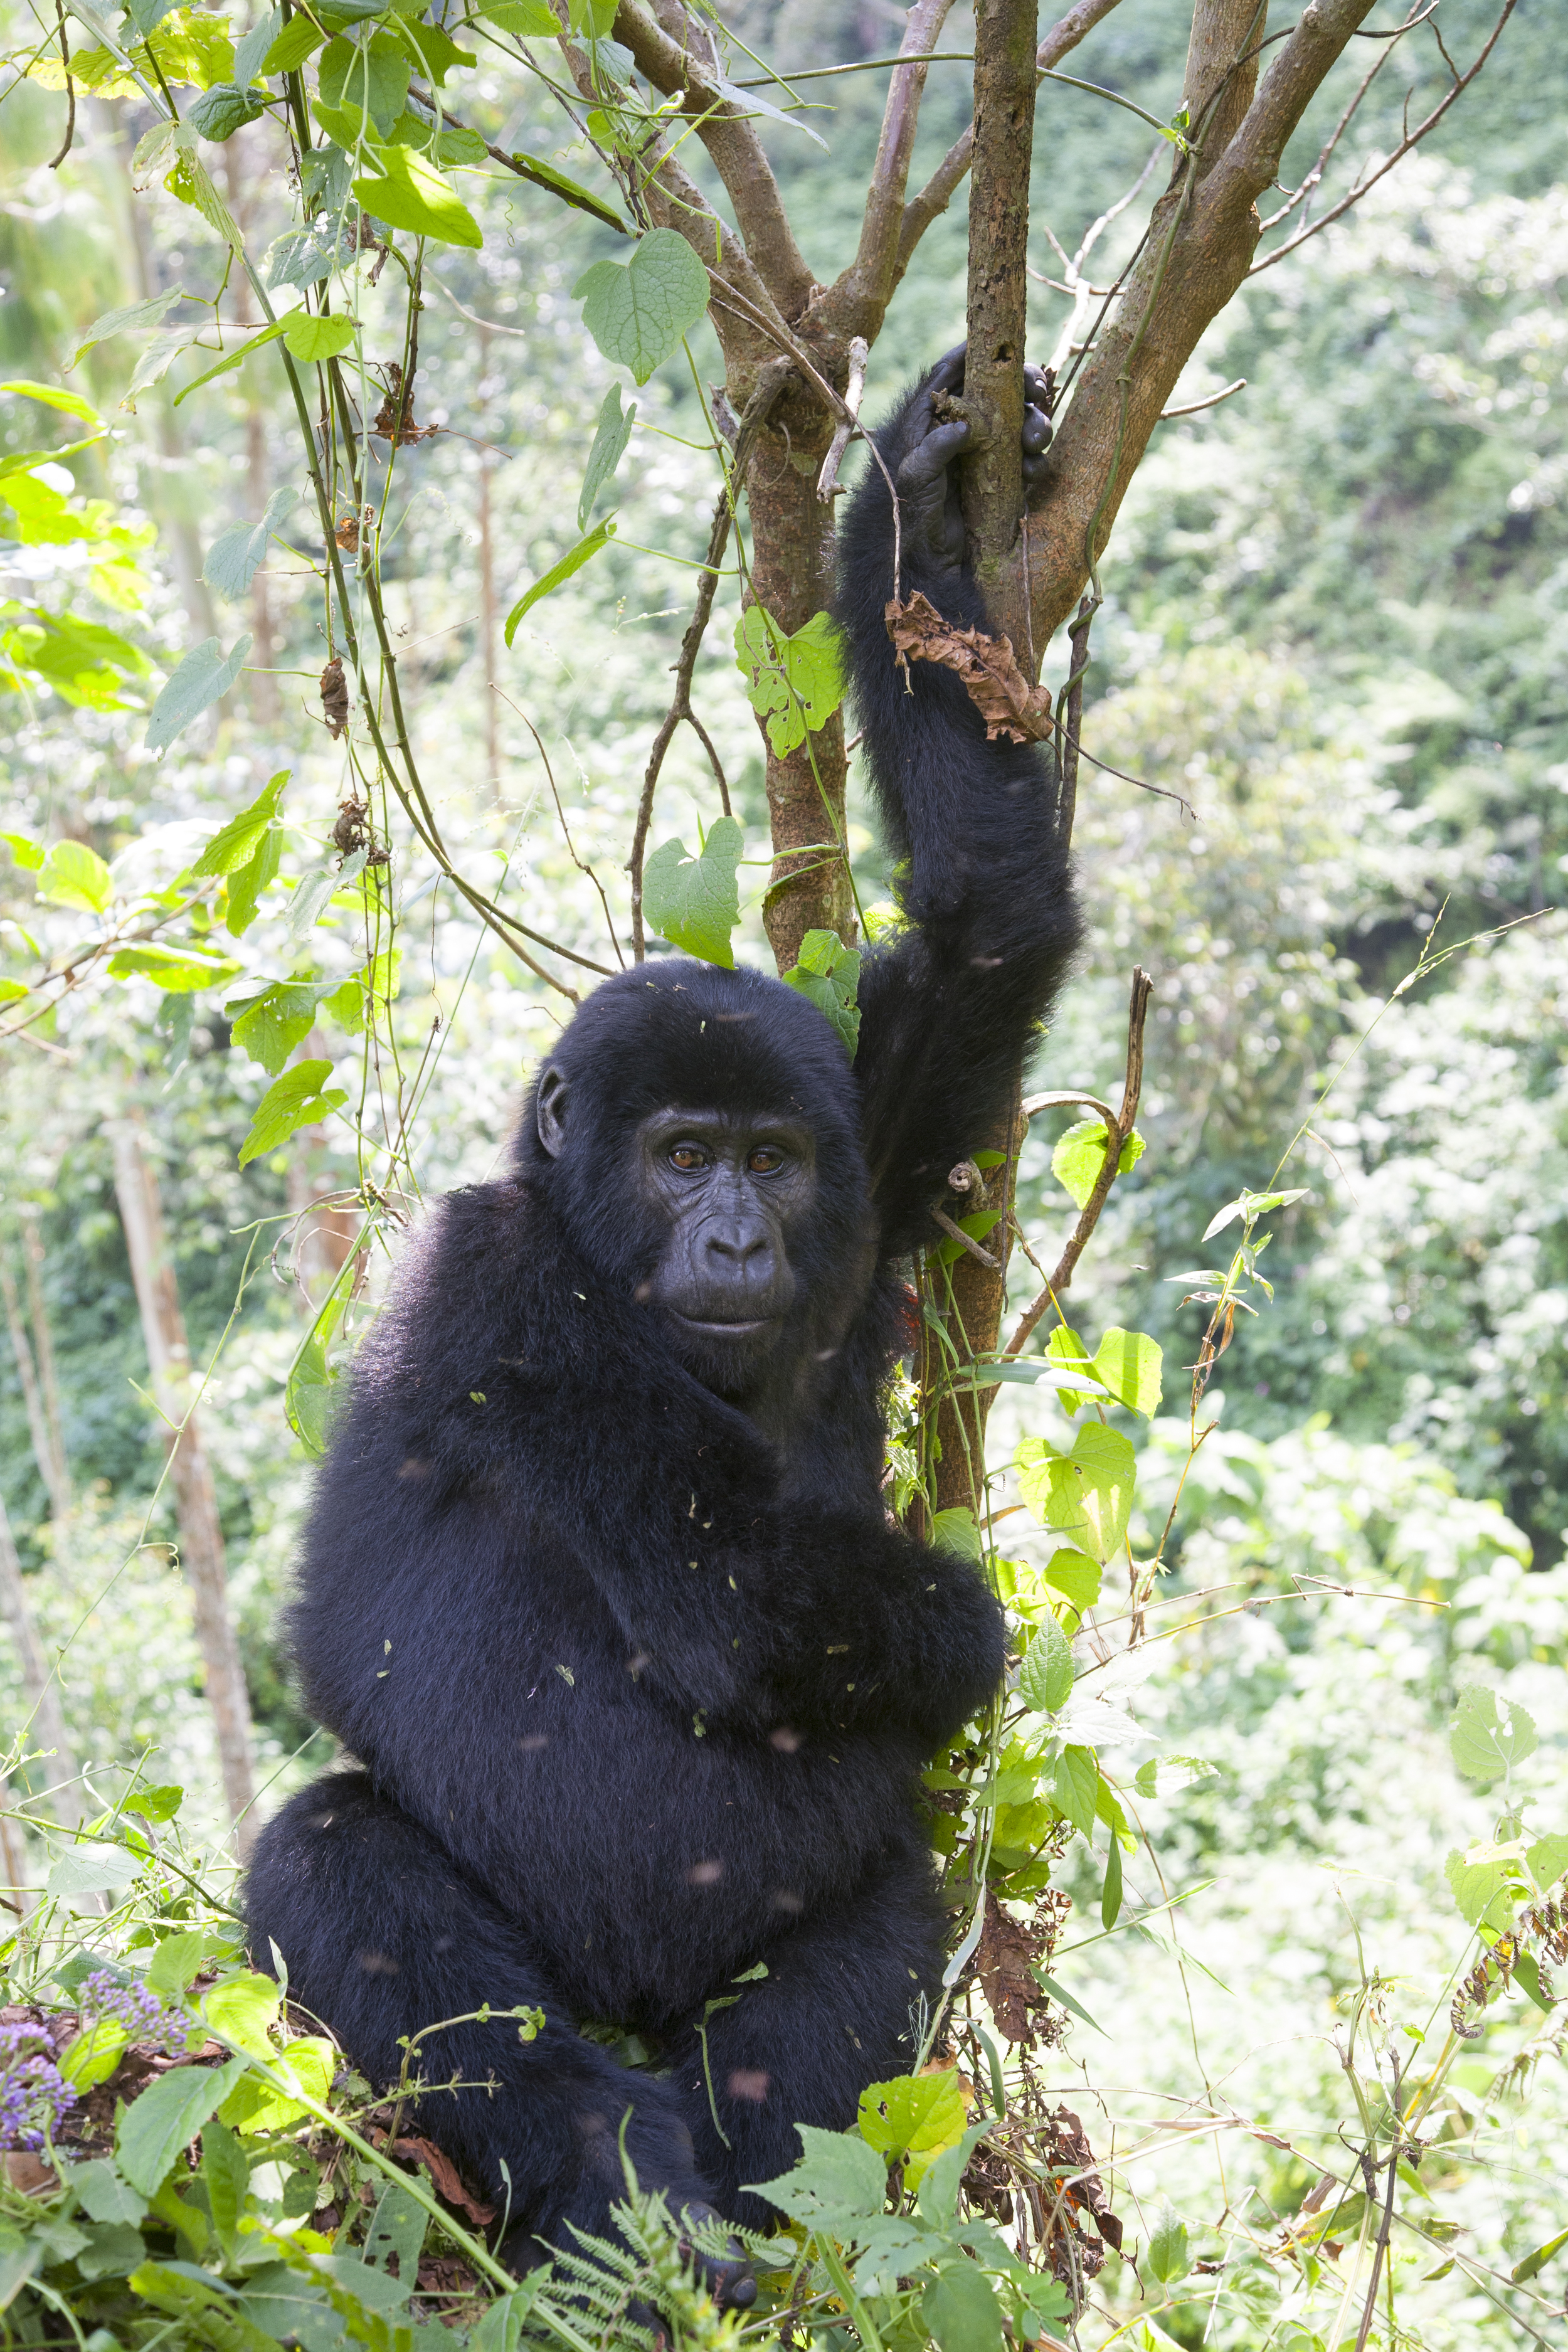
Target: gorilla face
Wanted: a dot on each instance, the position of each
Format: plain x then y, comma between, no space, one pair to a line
722,1195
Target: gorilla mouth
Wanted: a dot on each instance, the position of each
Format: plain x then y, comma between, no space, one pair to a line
738,1328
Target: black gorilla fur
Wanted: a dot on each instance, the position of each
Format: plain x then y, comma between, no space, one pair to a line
638,1688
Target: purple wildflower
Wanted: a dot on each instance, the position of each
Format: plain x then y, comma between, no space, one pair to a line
137,2008
34,2096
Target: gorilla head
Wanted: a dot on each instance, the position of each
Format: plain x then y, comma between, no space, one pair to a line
697,1131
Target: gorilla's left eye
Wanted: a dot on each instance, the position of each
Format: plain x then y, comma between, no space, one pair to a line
766,1160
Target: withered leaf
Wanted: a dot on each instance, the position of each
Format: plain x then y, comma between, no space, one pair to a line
335,697
1008,1948
393,420
445,2178
987,667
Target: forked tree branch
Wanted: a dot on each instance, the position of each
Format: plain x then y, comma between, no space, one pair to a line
858,301
945,181
661,45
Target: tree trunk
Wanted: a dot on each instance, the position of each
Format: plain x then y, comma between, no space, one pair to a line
49,1455
41,1689
195,1501
992,485
793,579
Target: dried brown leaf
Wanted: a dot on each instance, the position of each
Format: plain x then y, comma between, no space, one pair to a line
986,666
335,697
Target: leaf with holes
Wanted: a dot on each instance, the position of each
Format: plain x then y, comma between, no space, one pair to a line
1087,1493
695,902
1490,1735
794,683
912,2119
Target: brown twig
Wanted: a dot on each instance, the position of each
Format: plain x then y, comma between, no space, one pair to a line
1386,2225
1411,138
769,385
853,392
1117,1130
965,1241
55,161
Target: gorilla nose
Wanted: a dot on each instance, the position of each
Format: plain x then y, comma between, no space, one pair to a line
741,1249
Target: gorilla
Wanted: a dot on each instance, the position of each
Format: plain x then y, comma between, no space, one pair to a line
633,1673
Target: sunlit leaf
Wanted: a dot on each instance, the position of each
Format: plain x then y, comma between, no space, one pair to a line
1129,1362
695,902
912,2119
1490,1735
1483,1892
1087,1493
828,973
178,971
300,1098
792,683
1074,1784
408,193
1079,1156
1046,1677
572,561
122,320
53,397
72,875
237,553
239,839
202,679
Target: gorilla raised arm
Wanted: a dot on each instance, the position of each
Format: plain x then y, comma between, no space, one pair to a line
598,1589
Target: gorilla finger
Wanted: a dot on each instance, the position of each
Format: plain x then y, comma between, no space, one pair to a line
1037,432
931,458
948,373
1034,386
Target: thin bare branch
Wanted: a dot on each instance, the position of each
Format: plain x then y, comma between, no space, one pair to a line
871,277
1116,1131
661,44
1411,138
854,392
941,188
1196,407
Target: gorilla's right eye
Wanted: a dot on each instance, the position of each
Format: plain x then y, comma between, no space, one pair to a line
687,1157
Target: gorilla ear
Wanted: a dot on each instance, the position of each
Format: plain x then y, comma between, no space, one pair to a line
550,1109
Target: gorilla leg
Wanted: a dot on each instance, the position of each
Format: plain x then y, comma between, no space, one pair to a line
383,1934
833,2013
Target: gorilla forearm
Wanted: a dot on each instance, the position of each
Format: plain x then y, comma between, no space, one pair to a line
947,1012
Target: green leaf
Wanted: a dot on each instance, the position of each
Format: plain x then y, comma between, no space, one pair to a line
1249,1206
1059,1993
1078,1576
53,397
252,2106
1129,1362
1088,1494
165,2118
209,2314
1548,1859
571,192
222,111
1074,1786
225,2176
611,435
525,20
180,1958
637,314
178,971
961,2312
300,1098
957,1530
829,974
269,1024
1523,2271
792,683
1168,2257
239,839
1488,1737
838,2182
913,2118
294,44
121,319
1045,1678
103,2196
373,77
572,561
1527,1972
92,2056
437,51
1079,1156
245,888
93,1870
1064,1348
112,2251
1111,1895
695,902
72,875
237,553
251,54
202,679
411,195
1483,1893
309,338
12,991
29,855
243,2009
